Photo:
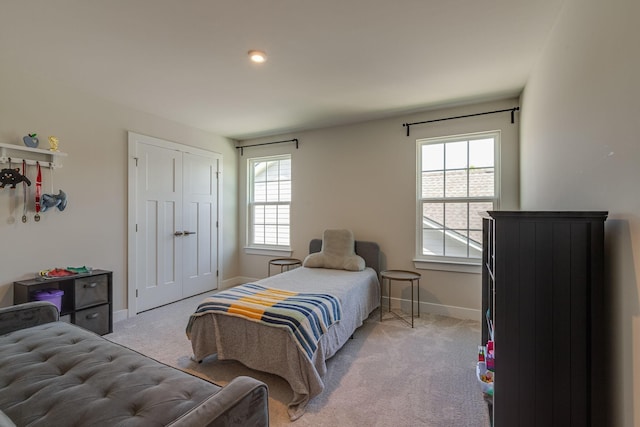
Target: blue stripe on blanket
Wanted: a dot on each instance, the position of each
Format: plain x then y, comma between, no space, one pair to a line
307,316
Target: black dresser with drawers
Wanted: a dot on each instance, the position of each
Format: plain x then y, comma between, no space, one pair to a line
544,294
87,300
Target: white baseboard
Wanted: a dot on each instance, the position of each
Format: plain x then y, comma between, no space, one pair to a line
440,309
452,311
234,281
120,315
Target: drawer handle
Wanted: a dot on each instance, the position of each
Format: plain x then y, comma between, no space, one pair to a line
91,285
92,316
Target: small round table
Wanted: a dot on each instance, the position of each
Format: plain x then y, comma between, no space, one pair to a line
403,276
285,264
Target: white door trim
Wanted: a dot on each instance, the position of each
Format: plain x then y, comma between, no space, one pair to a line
133,140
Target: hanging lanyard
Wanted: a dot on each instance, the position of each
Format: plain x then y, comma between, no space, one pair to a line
38,192
24,192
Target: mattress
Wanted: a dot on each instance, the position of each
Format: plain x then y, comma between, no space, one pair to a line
274,350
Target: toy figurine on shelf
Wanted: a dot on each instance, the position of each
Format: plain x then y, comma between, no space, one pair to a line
31,140
53,142
12,177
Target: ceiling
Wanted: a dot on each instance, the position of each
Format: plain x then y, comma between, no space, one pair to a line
330,62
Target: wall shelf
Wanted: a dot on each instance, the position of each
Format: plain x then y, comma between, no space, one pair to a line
31,156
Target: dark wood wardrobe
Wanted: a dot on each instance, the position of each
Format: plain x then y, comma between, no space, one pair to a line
542,295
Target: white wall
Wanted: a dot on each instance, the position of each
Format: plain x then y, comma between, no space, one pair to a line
92,230
363,177
580,150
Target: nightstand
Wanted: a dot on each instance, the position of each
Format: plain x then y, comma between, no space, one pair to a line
285,264
401,276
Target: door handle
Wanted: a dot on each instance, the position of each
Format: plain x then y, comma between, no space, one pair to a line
178,233
189,232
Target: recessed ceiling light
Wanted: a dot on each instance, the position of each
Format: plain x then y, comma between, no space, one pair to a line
257,56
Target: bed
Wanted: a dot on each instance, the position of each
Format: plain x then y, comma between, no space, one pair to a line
275,350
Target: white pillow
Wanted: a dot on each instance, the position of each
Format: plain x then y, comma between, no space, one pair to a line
338,252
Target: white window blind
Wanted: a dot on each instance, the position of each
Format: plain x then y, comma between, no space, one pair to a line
269,201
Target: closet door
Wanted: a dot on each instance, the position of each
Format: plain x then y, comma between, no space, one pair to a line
173,222
159,208
199,241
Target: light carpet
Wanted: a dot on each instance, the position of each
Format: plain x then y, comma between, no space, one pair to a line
387,375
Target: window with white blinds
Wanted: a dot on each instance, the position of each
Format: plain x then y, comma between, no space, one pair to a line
269,202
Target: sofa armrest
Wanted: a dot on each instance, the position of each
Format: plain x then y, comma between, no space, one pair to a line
26,315
242,402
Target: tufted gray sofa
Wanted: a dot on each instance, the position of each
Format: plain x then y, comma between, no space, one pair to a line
56,374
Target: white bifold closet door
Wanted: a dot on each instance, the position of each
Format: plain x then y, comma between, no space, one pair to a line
175,241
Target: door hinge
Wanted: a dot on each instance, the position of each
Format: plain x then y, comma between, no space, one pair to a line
217,273
136,228
216,224
136,293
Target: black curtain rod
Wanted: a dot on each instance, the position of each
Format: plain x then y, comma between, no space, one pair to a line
513,111
242,147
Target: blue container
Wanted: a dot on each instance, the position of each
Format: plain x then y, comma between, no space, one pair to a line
51,295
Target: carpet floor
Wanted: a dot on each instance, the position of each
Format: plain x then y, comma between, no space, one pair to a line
387,375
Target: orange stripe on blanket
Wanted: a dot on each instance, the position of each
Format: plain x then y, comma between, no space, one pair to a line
278,292
267,298
252,313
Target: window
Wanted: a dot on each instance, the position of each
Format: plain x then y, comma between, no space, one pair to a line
457,179
269,201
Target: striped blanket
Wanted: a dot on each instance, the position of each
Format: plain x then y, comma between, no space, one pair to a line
307,316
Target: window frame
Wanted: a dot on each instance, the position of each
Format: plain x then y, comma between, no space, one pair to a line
251,246
444,262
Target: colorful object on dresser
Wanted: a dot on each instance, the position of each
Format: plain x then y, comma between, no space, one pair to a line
80,270
56,272
54,201
307,316
10,176
64,272
31,140
52,295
